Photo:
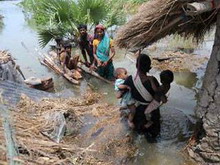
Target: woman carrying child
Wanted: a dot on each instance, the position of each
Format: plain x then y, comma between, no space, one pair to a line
141,90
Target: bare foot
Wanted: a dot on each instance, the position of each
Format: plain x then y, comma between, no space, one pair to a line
131,124
149,123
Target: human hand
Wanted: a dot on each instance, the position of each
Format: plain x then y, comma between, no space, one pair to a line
92,67
99,63
164,99
129,88
105,63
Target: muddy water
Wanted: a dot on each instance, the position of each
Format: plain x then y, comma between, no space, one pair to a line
177,114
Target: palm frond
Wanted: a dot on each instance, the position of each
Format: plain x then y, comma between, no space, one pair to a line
94,10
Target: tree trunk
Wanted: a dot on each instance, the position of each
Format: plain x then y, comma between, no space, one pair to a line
207,150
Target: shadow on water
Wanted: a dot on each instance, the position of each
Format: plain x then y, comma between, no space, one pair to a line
176,122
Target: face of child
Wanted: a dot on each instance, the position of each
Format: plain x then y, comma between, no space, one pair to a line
123,75
99,33
83,31
68,50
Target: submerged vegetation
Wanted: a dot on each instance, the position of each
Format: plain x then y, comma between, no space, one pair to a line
59,18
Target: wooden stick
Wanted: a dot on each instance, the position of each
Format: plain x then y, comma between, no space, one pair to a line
95,75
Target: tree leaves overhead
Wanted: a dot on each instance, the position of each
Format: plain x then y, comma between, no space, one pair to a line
93,11
58,18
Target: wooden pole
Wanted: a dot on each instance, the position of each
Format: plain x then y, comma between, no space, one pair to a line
197,8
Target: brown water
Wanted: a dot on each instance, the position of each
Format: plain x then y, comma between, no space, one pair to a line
177,114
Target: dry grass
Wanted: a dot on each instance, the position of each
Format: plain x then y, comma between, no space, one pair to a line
4,57
158,18
30,122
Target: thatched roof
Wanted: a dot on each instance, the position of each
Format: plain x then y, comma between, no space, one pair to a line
158,18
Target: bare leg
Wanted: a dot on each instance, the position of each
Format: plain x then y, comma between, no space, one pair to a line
149,123
152,106
131,116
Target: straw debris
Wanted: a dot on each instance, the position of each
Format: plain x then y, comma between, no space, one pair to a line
158,18
179,61
36,123
5,57
30,121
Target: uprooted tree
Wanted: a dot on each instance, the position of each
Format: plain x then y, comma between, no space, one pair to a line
159,18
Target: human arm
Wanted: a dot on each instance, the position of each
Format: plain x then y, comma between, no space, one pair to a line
119,94
160,94
63,61
154,83
122,86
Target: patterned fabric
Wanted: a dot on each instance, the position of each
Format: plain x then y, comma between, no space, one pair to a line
103,48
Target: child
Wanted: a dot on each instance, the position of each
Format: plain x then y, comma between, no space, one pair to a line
69,62
166,78
123,92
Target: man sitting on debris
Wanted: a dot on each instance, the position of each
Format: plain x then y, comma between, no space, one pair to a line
69,63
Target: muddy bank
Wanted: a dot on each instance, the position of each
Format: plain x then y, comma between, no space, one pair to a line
49,131
179,61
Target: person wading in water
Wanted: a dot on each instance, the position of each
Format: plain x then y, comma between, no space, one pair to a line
142,91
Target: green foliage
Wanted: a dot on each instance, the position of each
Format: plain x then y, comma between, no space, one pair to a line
93,11
58,18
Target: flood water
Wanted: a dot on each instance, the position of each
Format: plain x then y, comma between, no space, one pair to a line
177,115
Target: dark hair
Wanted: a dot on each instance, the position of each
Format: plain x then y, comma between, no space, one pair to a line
166,76
118,71
67,45
143,63
82,26
58,39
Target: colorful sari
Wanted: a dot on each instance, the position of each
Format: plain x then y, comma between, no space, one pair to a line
102,52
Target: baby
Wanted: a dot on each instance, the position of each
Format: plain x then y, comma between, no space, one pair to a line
123,92
166,78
